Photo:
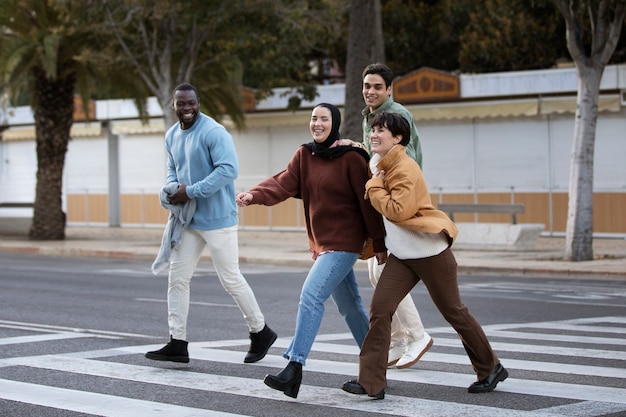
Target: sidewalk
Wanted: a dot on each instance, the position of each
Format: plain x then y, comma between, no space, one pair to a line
291,249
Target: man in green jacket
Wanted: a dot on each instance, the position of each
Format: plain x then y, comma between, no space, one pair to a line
377,79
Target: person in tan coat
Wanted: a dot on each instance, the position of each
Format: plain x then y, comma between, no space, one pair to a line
418,239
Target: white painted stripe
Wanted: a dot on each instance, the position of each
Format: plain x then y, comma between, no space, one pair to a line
587,409
578,328
198,303
552,367
580,392
607,319
462,359
581,321
327,397
36,327
541,349
96,404
42,338
558,338
352,349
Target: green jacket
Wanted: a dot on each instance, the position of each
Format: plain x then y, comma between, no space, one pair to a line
413,148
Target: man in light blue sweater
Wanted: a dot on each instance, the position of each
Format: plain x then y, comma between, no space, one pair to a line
201,157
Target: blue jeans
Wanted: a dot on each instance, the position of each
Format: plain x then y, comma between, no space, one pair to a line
331,275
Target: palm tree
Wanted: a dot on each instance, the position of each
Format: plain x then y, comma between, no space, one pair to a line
47,50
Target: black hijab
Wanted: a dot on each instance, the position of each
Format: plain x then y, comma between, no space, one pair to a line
324,149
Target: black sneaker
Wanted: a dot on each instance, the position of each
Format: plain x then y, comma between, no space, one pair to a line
174,351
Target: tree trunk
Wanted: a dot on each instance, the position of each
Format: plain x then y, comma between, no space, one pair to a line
579,231
169,116
53,107
365,46
606,25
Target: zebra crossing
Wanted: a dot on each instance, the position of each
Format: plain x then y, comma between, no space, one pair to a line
569,367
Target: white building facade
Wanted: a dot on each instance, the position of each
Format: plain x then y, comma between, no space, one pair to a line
504,137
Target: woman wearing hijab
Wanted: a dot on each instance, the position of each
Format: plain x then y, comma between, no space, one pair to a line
331,182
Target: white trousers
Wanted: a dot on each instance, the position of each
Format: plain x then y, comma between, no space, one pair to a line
406,323
224,248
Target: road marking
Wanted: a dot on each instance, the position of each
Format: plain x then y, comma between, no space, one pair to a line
35,327
198,303
42,338
590,400
96,404
312,395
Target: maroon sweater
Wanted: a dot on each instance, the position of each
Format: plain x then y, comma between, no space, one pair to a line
337,215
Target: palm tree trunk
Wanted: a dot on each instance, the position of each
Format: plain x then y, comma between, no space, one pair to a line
54,106
365,46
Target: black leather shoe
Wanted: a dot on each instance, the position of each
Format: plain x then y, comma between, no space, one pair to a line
288,380
260,343
488,384
353,387
174,351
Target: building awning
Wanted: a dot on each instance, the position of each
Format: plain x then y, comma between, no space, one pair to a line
508,108
568,104
474,110
78,130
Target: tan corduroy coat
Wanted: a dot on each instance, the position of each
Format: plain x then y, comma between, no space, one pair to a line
402,196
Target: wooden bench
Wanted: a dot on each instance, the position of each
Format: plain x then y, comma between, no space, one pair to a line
512,209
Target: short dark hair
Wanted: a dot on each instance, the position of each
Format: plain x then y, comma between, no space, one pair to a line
186,87
379,69
396,124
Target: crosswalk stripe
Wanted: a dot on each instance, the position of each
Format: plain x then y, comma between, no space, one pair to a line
586,409
543,349
519,386
39,338
63,329
93,403
320,396
549,337
590,400
462,359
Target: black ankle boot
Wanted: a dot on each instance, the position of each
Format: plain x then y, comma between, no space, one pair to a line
260,343
288,380
175,351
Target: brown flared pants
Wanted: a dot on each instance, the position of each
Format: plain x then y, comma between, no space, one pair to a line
439,274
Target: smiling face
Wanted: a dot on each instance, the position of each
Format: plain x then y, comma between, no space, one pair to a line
375,92
321,124
187,107
382,140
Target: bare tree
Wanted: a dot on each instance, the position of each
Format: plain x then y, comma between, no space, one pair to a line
605,19
163,42
365,46
212,43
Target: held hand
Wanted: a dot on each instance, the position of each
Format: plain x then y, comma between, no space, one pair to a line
180,196
343,142
243,199
381,257
379,174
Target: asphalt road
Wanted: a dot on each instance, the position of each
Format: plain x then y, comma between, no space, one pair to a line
73,333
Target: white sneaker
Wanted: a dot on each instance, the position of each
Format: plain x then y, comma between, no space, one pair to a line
395,353
414,351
